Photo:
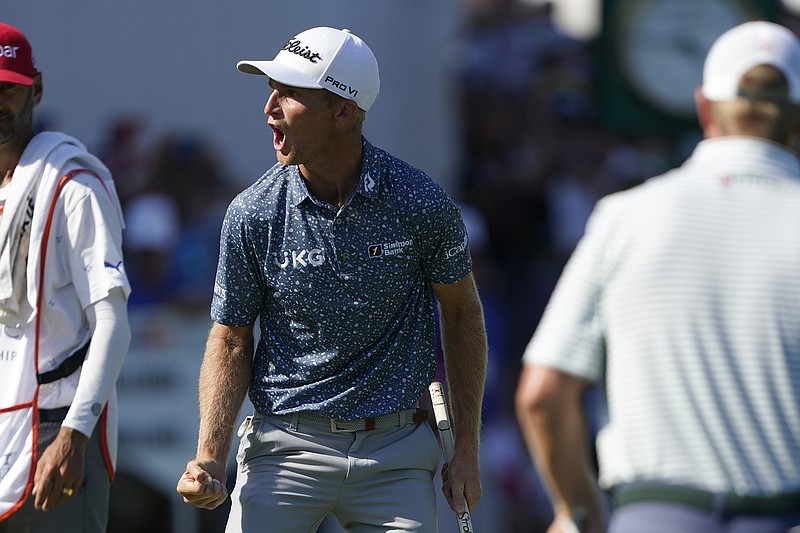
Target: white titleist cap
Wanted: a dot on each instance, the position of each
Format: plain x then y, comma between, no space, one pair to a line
746,46
324,58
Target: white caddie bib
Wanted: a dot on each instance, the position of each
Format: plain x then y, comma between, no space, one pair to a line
19,363
17,423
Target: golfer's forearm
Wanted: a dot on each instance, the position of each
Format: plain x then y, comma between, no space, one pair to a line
564,465
224,380
558,441
465,350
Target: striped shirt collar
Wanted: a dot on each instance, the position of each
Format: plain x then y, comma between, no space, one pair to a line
735,152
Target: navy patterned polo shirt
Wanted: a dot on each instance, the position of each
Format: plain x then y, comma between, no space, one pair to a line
343,296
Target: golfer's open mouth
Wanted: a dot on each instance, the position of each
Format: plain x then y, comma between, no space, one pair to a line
278,137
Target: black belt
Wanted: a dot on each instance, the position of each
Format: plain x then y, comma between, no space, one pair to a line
728,503
53,415
67,366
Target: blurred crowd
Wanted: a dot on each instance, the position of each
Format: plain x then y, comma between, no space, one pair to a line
174,195
535,159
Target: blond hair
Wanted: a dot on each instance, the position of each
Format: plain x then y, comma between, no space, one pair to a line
762,109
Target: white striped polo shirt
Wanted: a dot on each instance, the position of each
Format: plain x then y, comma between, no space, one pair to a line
686,291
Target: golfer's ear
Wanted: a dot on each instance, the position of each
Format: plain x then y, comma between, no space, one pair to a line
347,109
38,88
703,107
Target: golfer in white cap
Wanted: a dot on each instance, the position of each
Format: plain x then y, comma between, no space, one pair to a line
338,252
684,297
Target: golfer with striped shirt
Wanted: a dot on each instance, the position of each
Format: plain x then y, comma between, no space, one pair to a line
684,297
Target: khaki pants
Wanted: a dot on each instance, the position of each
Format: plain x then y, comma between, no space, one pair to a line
292,473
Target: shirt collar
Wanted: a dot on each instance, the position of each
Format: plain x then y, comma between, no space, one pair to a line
740,151
368,184
371,171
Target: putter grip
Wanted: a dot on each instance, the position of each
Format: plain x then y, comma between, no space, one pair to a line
442,419
446,435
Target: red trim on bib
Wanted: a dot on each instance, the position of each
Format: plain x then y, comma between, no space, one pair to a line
104,443
16,407
34,404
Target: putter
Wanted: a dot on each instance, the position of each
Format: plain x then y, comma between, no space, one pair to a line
446,436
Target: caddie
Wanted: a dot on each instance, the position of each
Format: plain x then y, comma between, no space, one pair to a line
63,315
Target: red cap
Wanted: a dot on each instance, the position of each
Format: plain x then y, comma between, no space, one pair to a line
16,57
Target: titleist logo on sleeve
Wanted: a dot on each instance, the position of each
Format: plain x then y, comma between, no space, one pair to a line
294,46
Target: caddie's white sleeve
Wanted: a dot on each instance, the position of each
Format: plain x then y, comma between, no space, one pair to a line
111,336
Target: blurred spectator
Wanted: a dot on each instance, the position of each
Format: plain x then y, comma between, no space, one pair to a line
503,457
125,156
176,195
151,235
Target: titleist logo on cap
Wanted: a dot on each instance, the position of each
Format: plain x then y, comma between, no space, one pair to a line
324,58
294,46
